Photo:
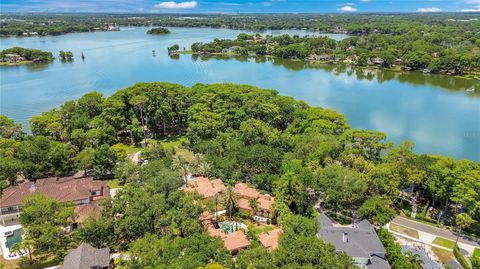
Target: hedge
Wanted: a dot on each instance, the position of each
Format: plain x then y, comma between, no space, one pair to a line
458,255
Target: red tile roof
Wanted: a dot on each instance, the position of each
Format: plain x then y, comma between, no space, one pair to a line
85,211
270,239
243,190
205,187
244,204
65,189
236,241
265,202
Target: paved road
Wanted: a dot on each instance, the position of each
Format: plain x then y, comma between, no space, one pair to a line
435,231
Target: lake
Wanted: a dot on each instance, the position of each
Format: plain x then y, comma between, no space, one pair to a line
434,111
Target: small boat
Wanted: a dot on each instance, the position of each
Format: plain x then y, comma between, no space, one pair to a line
470,89
83,56
153,52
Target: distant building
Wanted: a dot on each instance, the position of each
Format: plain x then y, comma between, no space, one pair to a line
12,58
87,257
360,242
84,193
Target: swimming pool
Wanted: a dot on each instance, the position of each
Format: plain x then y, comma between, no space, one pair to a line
16,237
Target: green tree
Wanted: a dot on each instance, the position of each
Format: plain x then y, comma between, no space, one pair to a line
377,210
104,160
43,218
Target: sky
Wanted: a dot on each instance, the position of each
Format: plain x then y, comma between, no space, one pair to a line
239,6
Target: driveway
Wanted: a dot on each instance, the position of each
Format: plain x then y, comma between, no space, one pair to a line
435,231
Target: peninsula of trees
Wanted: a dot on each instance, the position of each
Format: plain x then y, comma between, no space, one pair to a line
239,133
18,55
158,31
427,53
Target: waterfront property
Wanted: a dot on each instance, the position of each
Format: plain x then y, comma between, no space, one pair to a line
87,257
84,193
249,199
359,241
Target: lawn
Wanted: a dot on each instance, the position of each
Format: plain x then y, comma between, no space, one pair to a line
444,242
261,229
444,255
476,252
114,183
403,230
4,264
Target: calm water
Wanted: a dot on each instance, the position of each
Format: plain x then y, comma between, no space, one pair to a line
433,111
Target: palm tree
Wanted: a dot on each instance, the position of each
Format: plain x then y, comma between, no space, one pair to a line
202,167
230,201
215,201
27,244
254,205
182,166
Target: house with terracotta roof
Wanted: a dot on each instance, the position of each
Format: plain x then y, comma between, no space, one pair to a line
84,193
205,187
245,194
270,239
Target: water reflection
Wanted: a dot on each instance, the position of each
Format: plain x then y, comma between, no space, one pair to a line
471,87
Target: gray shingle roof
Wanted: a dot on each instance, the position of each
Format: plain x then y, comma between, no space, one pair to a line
86,257
361,240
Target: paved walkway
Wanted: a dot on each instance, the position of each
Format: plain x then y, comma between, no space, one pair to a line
428,233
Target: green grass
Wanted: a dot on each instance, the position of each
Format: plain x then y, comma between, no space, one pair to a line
13,64
172,142
261,229
131,149
476,252
114,183
444,242
404,230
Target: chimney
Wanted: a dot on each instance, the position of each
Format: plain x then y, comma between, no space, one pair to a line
345,237
33,187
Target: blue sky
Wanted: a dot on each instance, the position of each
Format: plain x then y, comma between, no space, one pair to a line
242,6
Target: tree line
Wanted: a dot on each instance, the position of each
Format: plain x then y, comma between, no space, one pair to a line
412,50
300,154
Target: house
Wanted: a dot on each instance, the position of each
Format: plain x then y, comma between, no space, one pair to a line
13,58
376,61
326,58
205,187
246,194
270,239
233,242
80,192
360,241
87,257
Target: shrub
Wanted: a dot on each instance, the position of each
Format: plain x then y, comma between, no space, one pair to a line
458,255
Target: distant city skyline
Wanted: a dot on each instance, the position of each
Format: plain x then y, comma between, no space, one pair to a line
240,6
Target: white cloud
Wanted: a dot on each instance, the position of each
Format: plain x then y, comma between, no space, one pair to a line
429,9
476,9
473,2
365,0
347,9
174,5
